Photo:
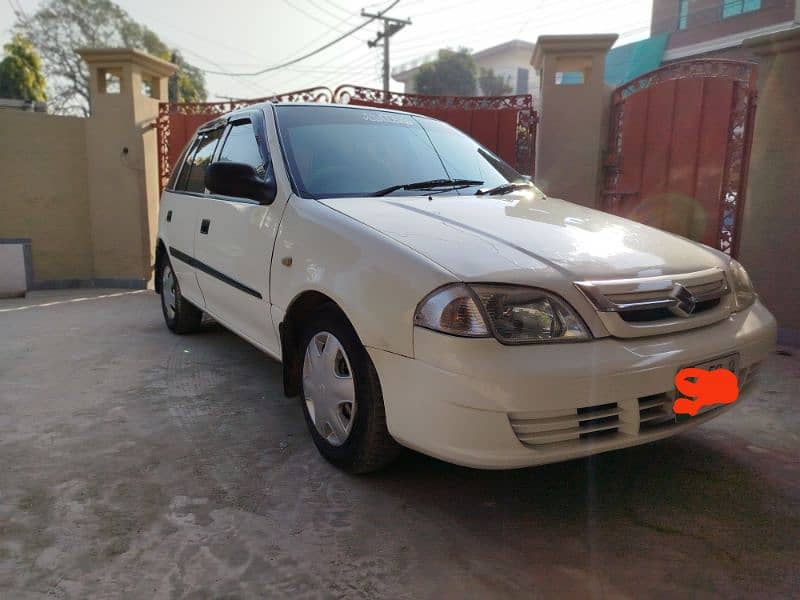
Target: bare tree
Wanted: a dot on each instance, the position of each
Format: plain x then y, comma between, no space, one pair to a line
61,26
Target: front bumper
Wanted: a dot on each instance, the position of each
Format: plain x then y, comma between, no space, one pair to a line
467,401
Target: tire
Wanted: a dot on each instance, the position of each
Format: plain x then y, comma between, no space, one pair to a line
180,315
367,445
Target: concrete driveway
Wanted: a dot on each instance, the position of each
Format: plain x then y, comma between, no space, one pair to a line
137,463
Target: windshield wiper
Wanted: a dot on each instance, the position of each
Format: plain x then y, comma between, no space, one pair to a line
428,185
504,188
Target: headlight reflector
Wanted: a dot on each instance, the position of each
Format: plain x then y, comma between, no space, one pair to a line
523,315
513,314
744,295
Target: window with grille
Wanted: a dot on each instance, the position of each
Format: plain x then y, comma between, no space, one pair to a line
683,14
732,8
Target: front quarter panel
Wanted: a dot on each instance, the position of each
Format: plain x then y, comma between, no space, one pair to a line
375,280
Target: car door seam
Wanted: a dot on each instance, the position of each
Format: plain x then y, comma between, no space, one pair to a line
209,270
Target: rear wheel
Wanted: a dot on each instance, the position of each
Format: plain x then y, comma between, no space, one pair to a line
180,315
342,399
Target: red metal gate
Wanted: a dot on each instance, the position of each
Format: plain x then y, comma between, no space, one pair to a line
679,148
506,124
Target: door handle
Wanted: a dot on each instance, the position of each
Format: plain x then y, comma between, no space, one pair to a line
204,225
169,216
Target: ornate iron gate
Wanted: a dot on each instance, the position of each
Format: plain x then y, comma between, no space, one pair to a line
679,149
506,124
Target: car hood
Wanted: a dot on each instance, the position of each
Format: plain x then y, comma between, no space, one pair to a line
521,236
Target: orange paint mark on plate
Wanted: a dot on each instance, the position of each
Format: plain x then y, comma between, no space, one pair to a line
719,386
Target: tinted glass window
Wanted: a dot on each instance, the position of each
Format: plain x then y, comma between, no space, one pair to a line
241,146
464,158
356,152
186,165
206,143
172,184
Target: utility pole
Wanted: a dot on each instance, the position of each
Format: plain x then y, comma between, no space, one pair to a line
390,27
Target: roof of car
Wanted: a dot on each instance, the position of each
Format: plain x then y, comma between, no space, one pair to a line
224,118
329,104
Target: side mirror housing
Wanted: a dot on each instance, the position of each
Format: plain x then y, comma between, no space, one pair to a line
240,181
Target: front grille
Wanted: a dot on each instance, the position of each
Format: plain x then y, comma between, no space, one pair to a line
655,411
576,427
543,428
662,314
660,304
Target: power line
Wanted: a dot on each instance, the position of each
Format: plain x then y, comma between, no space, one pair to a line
407,47
313,17
339,6
309,54
251,84
356,67
339,58
330,13
479,24
360,67
207,40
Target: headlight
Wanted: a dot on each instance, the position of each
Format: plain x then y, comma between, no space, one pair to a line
513,314
743,293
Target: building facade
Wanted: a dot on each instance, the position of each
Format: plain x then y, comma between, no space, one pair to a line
511,60
716,28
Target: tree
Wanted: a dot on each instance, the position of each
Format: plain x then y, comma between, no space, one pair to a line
61,26
493,85
451,74
21,72
188,84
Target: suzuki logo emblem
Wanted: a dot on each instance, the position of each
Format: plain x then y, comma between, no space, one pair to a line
686,302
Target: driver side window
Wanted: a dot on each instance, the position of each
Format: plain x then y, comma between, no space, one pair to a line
241,146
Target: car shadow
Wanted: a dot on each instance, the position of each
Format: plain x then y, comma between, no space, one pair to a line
685,506
689,474
696,505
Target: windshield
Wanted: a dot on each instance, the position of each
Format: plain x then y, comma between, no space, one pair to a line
336,152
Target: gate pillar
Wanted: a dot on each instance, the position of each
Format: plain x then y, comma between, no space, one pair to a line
573,106
125,88
770,246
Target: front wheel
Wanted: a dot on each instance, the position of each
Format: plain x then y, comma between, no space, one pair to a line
180,315
342,399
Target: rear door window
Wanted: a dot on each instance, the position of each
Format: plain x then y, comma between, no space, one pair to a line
175,177
193,179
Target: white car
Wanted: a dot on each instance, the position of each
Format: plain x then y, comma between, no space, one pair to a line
422,293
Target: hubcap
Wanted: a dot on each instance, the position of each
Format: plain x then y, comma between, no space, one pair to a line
168,290
328,388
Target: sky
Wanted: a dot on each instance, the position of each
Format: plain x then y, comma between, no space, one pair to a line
248,35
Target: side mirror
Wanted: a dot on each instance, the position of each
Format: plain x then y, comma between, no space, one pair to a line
241,181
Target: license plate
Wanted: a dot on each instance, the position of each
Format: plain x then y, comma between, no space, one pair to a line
729,361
